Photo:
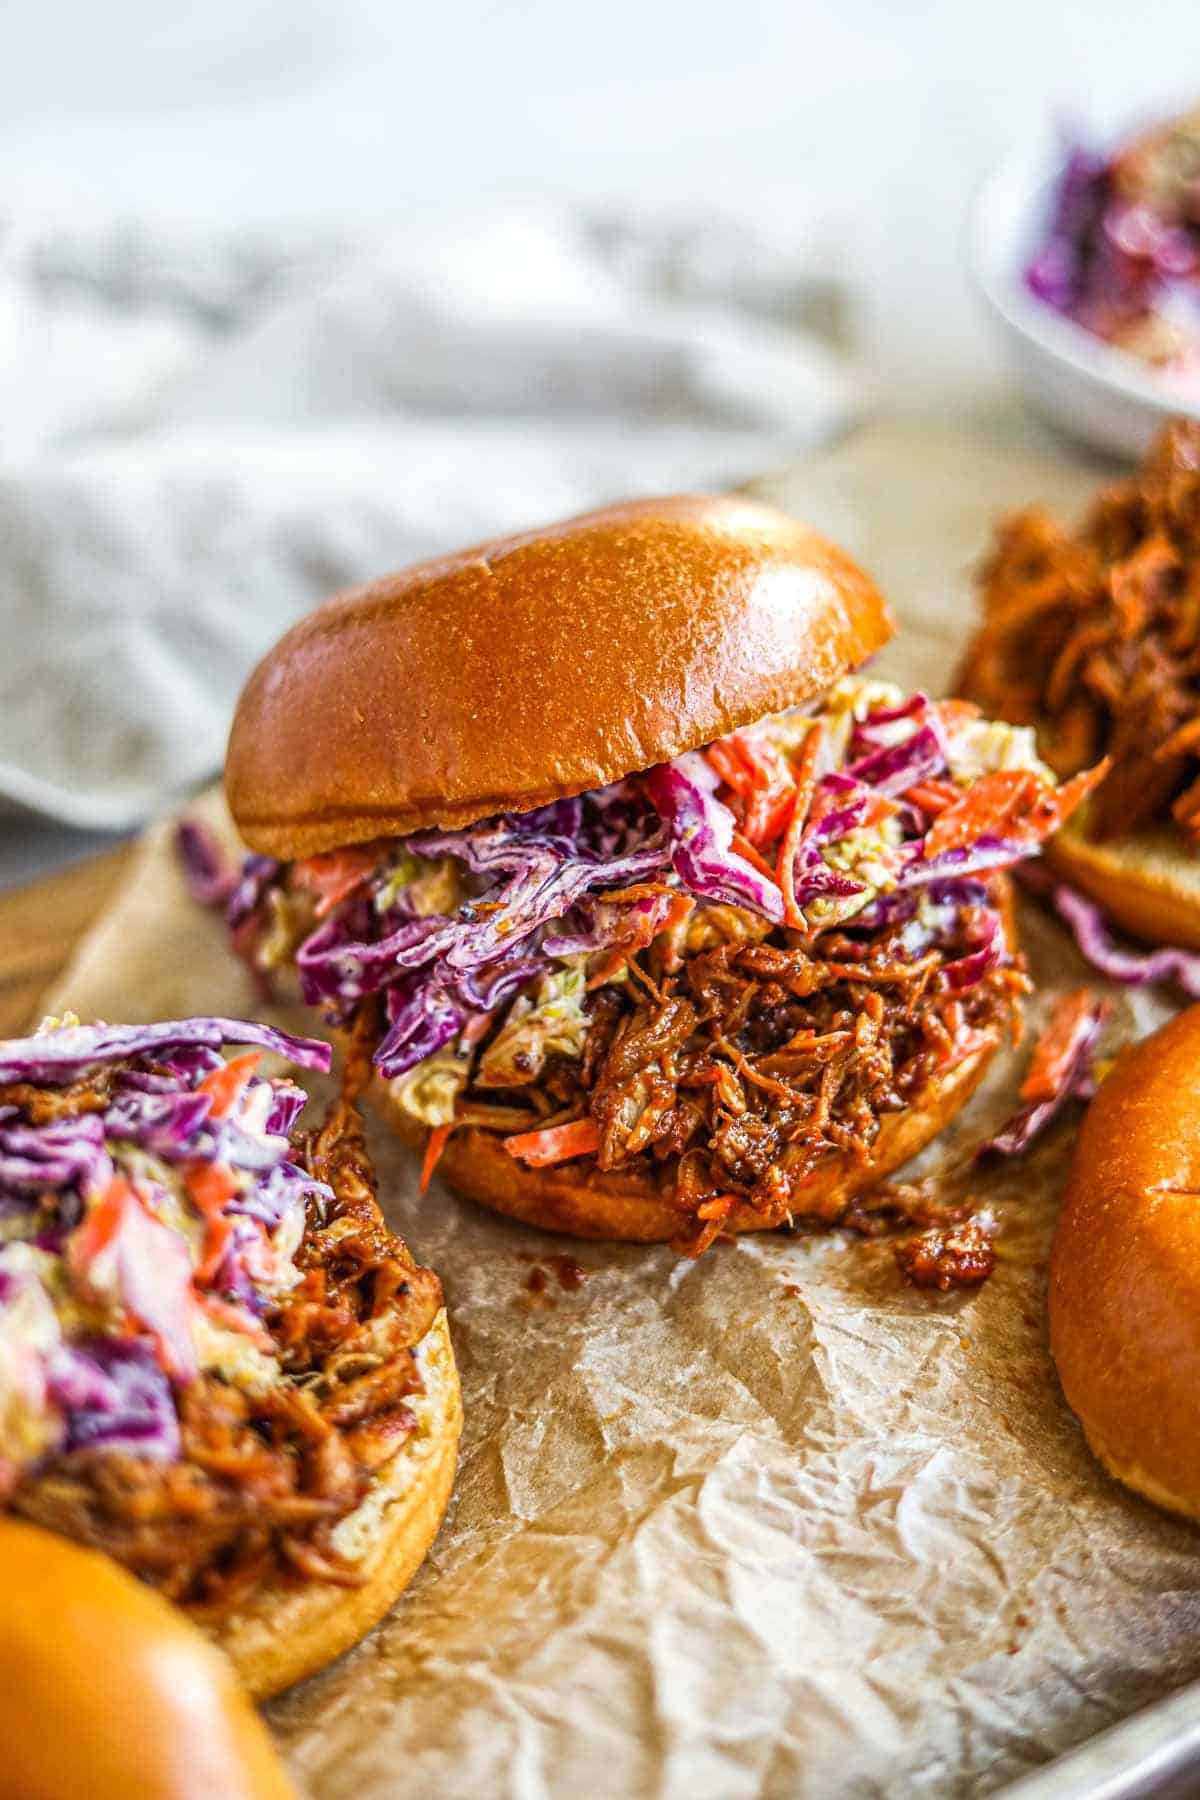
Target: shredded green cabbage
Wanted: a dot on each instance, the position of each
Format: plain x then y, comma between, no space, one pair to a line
551,1020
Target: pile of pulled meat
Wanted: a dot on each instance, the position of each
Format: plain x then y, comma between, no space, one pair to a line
717,974
1094,637
739,1072
202,1473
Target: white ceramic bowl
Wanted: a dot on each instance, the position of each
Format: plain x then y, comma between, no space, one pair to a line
1074,381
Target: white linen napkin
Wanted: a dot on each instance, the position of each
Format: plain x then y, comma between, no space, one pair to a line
201,437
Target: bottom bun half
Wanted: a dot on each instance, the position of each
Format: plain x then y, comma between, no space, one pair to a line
285,1631
1124,1297
583,1202
1148,884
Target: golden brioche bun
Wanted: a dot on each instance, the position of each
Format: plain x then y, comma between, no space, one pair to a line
539,666
1124,1295
286,1631
578,1199
107,1691
1148,884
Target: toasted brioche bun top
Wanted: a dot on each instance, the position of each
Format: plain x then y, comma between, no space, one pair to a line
1125,1271
540,666
107,1690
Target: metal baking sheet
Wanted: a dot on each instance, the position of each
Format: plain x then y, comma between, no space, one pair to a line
1153,1756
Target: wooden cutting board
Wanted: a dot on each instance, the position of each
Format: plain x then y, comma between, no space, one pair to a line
40,926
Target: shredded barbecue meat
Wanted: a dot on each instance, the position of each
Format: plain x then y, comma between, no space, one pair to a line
1094,637
944,1257
731,1074
265,1478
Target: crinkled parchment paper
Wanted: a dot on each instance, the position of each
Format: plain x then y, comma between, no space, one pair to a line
768,1523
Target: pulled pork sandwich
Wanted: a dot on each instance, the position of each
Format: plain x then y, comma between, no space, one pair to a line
216,1362
1093,637
657,925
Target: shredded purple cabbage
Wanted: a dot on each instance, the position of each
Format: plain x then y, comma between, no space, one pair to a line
874,730
969,859
701,834
211,878
541,885
64,1153
894,768
66,1054
115,1397
256,876
987,952
438,970
1057,273
1132,968
422,1018
602,924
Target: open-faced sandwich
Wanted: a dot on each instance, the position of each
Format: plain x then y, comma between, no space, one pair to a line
217,1364
657,923
1093,638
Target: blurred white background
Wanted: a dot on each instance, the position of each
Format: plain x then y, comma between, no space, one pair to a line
535,363
863,125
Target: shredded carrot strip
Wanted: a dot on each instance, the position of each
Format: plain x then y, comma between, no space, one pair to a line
435,1144
879,808
785,872
771,796
719,1207
335,874
723,760
1010,803
642,890
1056,1045
235,1318
988,805
1054,806
541,1149
223,1085
681,908
956,712
210,1187
100,1227
933,796
761,776
745,848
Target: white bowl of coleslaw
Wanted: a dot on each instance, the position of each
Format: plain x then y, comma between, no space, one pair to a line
1088,388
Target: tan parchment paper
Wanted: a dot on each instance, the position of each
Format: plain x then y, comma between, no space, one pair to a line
769,1523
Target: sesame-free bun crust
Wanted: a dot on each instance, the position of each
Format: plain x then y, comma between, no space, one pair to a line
1149,884
107,1692
286,1630
578,1199
539,666
1125,1270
